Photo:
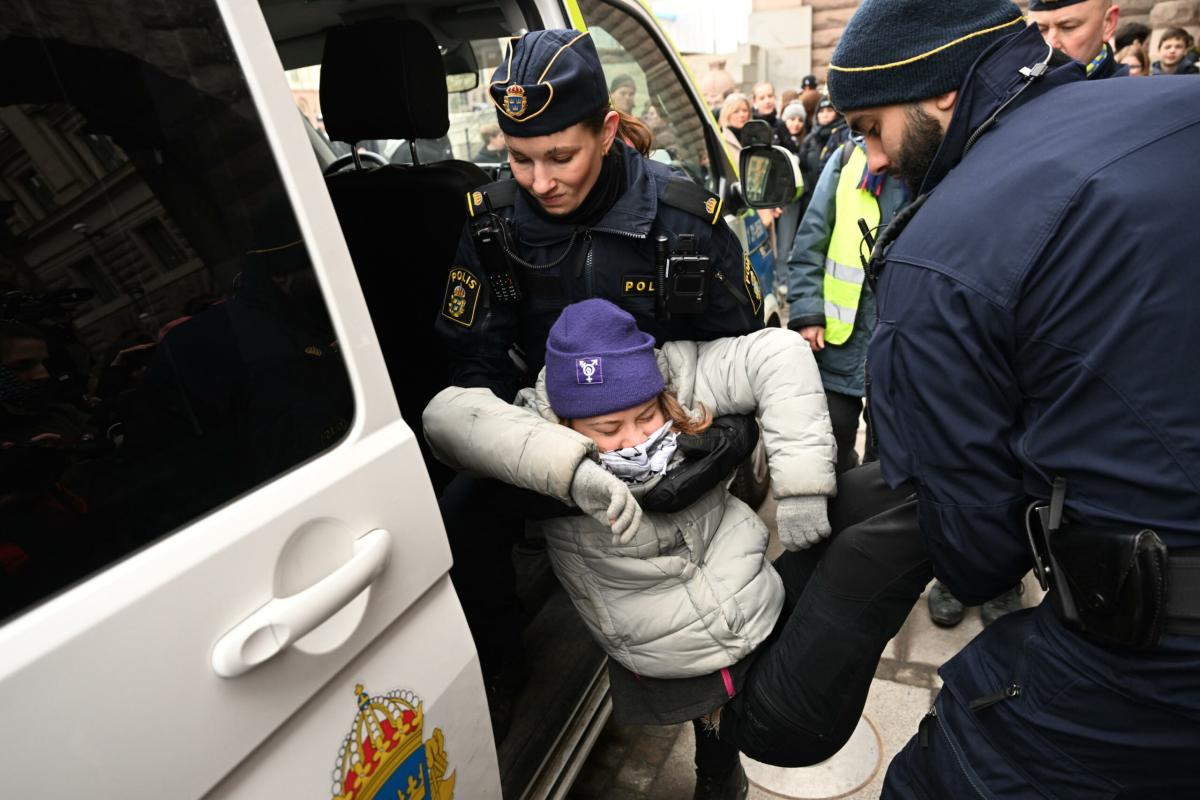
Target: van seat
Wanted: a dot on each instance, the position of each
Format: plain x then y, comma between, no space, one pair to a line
384,79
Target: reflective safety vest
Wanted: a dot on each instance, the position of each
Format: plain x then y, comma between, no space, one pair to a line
844,274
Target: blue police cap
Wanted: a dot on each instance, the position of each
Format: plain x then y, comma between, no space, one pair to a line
549,80
1051,5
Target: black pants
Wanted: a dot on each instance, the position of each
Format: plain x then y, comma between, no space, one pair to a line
844,412
482,530
846,598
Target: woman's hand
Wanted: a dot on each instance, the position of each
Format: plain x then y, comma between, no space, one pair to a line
802,521
606,499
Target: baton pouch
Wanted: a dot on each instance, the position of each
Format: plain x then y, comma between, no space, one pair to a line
1115,579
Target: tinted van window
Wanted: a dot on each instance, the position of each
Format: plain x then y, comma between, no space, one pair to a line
164,345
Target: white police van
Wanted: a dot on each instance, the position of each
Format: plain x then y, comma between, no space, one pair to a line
223,572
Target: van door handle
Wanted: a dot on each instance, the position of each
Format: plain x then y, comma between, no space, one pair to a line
285,620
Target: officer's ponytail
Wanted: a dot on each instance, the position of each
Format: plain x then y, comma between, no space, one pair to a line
630,129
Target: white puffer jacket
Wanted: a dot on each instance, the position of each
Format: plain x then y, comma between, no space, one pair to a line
693,591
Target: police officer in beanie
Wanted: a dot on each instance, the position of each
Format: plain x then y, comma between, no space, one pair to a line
1082,29
1025,379
586,215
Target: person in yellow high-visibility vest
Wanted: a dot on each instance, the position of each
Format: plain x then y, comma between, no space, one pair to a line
829,302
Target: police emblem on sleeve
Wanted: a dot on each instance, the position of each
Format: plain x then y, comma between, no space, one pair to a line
386,754
514,100
750,280
462,297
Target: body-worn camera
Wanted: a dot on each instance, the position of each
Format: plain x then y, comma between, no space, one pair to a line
492,246
686,278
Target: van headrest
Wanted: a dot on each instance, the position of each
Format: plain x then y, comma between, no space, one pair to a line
383,79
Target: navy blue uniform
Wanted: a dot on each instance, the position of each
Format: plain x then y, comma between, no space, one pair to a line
613,259
1038,318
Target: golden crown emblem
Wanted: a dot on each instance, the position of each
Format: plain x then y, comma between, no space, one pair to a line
514,100
386,756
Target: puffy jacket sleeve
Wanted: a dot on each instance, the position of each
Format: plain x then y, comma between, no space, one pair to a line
945,405
771,373
806,264
474,431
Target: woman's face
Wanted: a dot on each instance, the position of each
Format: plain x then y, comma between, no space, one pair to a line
826,116
560,169
622,429
795,125
739,116
623,97
1135,65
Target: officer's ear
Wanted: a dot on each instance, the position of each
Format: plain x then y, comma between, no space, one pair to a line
608,131
941,107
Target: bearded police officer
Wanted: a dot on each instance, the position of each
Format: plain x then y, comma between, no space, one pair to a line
1082,29
1029,374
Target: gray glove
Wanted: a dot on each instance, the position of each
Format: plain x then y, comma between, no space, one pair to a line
606,499
803,521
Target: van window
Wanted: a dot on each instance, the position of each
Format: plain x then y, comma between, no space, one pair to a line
164,345
472,117
630,53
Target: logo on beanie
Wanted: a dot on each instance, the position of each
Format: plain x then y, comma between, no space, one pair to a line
514,100
589,371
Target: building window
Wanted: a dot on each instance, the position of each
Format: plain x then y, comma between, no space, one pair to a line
161,245
88,273
40,196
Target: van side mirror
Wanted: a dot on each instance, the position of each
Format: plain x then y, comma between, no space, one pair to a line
756,131
770,176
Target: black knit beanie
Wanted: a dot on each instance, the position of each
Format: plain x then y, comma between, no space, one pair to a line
901,51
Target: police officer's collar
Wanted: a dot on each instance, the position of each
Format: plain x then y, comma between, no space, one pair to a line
991,82
633,213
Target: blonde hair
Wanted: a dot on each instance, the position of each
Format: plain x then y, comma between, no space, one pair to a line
1138,52
731,104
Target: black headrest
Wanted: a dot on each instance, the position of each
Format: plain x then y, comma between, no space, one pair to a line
383,79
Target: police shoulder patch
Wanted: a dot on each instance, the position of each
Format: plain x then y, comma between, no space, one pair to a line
462,297
685,195
750,281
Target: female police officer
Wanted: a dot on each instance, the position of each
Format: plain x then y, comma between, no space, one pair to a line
586,215
582,218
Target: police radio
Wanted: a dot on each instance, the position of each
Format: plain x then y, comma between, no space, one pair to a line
491,244
685,281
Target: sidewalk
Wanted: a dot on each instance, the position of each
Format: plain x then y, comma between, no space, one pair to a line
655,763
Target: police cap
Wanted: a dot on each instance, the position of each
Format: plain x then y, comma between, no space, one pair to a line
549,80
1051,5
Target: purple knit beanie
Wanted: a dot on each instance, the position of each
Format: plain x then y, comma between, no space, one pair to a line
598,362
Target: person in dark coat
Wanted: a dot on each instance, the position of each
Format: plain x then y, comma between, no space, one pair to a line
829,133
1018,359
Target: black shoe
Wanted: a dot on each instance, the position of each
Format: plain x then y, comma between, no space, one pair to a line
944,608
733,786
997,607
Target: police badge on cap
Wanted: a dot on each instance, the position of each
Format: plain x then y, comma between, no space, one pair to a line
549,81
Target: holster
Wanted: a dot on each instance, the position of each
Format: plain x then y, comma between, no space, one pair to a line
1111,583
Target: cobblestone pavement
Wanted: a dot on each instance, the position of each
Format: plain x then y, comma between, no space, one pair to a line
655,763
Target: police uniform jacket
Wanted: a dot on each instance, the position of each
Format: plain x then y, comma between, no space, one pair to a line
613,259
693,591
1038,318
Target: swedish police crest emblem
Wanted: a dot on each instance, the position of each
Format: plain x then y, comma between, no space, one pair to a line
514,100
462,297
750,280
